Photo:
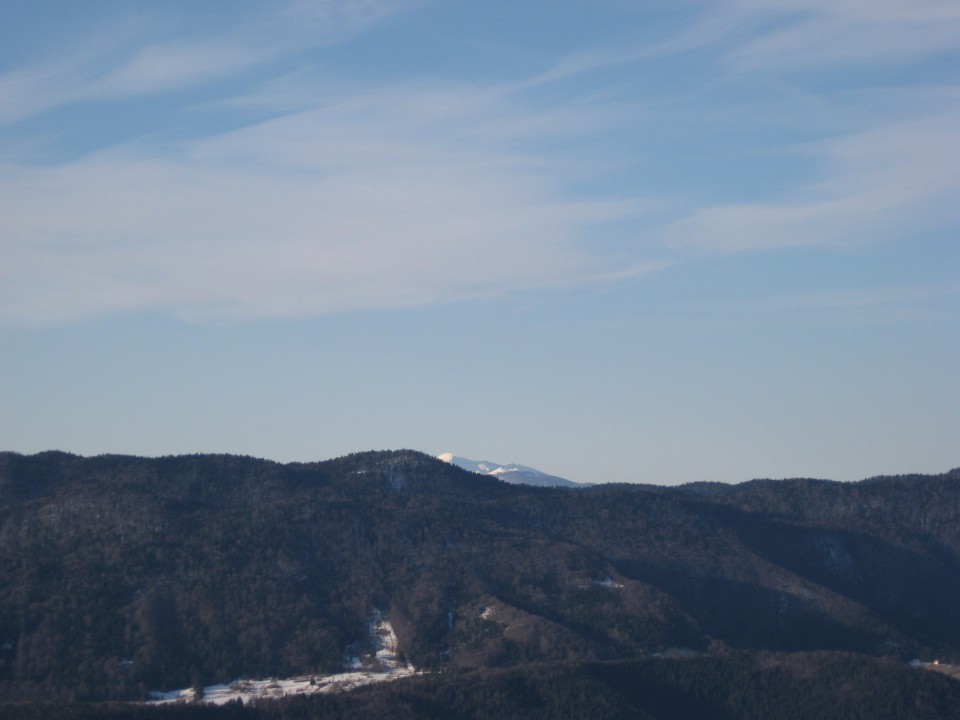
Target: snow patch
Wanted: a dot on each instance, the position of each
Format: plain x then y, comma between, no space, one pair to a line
513,473
382,665
608,582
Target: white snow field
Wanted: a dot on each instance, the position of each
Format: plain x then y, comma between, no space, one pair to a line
380,666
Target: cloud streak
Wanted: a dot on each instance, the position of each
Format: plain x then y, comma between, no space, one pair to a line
823,35
358,205
143,55
317,197
879,184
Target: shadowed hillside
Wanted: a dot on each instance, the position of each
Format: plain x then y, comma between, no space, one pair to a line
124,575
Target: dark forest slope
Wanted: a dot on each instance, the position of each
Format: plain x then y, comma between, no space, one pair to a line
741,686
124,574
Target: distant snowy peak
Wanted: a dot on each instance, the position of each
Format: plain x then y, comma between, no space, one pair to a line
511,473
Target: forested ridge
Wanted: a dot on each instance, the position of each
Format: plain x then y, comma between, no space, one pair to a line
124,575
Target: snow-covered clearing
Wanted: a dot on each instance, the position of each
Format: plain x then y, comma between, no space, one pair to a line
608,582
367,668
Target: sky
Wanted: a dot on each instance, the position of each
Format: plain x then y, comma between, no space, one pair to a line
632,241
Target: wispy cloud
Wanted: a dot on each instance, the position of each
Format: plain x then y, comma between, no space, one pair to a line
333,197
143,55
367,203
887,161
776,36
373,197
877,184
821,34
174,65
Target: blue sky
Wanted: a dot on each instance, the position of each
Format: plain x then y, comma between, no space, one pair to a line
632,241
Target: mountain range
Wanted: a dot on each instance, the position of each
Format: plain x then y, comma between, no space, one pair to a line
123,576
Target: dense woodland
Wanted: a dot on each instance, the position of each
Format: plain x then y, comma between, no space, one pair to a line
123,575
741,686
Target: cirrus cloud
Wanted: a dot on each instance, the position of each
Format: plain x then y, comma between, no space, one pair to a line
363,204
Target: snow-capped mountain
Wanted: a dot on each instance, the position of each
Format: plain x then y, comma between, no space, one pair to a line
511,473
